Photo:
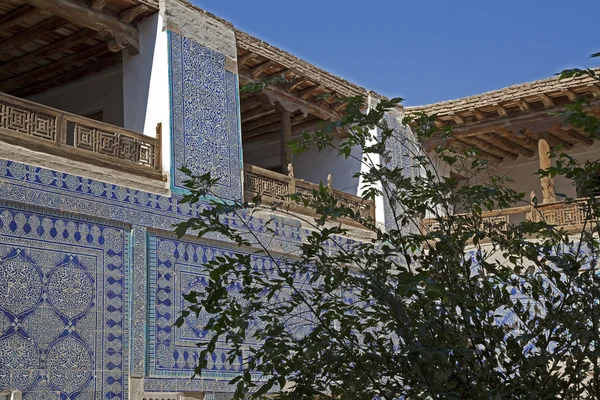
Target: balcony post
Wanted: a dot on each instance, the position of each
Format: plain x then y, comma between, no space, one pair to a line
548,193
286,136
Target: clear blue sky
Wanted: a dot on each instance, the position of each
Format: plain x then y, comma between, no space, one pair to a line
426,50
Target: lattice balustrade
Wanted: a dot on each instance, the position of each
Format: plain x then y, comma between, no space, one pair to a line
29,124
257,184
18,118
274,186
562,215
114,143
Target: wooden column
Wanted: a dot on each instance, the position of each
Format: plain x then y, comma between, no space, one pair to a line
548,194
286,136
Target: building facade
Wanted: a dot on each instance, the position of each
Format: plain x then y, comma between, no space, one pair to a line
101,104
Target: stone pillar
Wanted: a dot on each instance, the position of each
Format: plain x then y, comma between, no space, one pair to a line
205,131
548,194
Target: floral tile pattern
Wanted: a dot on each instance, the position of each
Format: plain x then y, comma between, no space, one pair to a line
205,123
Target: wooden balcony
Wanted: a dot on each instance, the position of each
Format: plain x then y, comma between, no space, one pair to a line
48,130
568,215
275,189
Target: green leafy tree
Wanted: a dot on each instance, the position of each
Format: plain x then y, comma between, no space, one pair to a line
471,308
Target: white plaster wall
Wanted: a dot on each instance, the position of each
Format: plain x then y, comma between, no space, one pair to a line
522,171
314,166
89,95
146,97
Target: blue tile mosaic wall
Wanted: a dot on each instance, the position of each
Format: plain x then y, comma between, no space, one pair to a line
175,268
37,189
64,330
206,135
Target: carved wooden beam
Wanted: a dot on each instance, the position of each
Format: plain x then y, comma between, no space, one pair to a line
509,145
92,19
16,16
32,33
63,44
98,5
283,94
132,13
54,67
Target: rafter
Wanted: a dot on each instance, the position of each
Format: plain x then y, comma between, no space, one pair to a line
490,148
297,82
61,79
526,141
571,134
546,100
462,145
457,118
59,45
16,16
508,145
32,33
255,72
245,58
501,110
523,106
92,19
283,94
261,122
306,93
478,114
53,67
555,141
257,113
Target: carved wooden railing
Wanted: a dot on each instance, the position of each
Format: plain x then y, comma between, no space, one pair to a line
569,215
562,214
275,188
496,217
49,130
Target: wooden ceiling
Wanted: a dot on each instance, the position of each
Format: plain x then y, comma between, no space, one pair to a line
47,43
506,124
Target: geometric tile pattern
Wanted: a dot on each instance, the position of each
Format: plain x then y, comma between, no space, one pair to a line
176,268
205,123
63,306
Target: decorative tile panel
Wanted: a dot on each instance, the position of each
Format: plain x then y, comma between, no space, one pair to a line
205,120
63,306
176,268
